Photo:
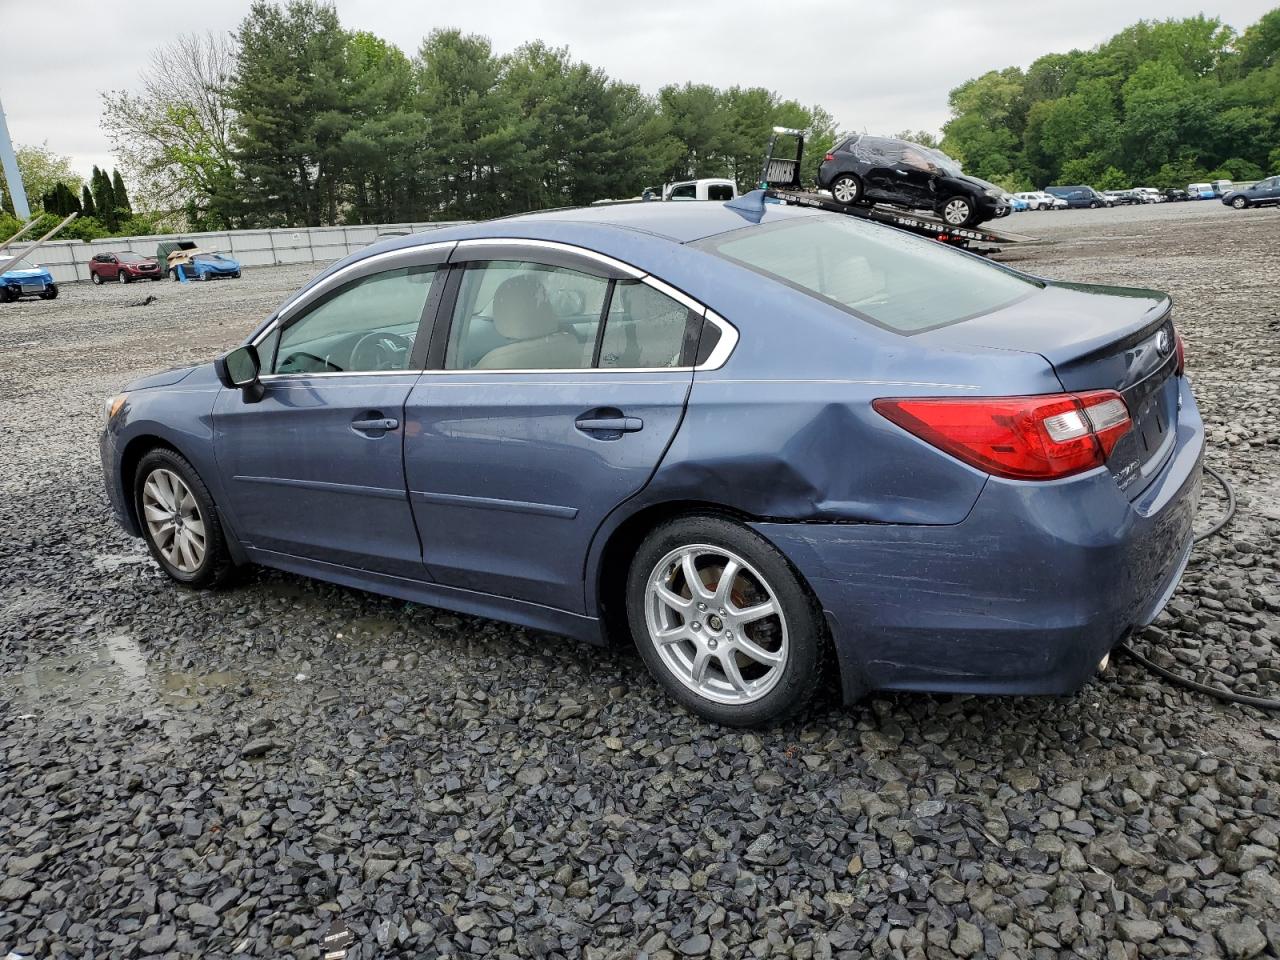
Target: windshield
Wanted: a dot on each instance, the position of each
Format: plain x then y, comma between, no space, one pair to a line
20,264
129,258
902,283
945,163
208,256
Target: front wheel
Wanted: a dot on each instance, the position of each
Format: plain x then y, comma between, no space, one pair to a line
1093,204
723,623
846,189
957,211
122,277
50,292
179,520
1239,203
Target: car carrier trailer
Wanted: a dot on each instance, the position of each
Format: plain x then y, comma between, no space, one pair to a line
780,183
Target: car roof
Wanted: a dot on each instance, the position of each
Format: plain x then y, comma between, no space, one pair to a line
680,222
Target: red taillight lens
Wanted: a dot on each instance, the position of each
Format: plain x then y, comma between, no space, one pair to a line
1182,352
1022,438
828,157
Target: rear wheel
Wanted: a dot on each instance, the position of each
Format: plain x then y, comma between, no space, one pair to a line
50,292
96,278
723,623
1239,203
956,211
846,189
179,520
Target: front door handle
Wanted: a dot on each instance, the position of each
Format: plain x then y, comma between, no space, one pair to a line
611,424
386,423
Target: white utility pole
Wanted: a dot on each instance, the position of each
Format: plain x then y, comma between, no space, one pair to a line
9,161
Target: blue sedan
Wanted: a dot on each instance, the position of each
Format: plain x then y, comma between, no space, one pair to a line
742,437
22,278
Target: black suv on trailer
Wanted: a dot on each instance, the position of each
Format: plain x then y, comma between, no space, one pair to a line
884,170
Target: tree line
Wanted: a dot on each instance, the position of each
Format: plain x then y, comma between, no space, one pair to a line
296,120
1160,103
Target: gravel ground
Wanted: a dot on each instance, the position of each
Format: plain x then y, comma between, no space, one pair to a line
239,772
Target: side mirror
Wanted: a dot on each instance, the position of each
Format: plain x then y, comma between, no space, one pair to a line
240,370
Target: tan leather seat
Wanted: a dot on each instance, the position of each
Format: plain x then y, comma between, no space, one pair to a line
522,312
648,331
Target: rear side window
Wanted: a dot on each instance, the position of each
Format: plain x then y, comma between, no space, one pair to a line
719,191
902,283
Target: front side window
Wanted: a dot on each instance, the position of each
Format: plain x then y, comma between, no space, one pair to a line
902,283
368,325
518,315
688,191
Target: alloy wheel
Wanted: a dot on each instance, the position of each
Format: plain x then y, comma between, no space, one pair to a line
173,520
1238,203
845,189
956,212
716,623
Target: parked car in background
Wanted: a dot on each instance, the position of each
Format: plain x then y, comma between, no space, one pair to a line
1221,187
1176,195
22,278
1039,200
1122,198
123,268
960,477
1200,191
863,169
202,265
1261,194
710,188
1150,194
1080,196
1016,203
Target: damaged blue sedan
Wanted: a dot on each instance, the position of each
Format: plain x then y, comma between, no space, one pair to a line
764,445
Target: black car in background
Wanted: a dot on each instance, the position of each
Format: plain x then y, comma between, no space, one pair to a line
1173,194
1080,196
1260,194
864,169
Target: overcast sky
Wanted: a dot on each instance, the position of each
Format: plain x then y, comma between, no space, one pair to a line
881,67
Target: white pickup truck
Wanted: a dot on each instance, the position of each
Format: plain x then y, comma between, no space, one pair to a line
711,188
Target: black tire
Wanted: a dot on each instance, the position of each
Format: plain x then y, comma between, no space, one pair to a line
950,211
123,277
1093,204
801,671
850,185
1239,203
216,566
95,278
8,294
173,274
50,292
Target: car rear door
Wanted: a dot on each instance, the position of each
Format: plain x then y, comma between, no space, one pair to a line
549,399
315,468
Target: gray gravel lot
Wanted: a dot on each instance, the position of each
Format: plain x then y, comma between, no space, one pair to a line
209,774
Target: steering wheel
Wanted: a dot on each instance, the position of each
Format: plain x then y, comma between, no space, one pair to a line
280,368
380,350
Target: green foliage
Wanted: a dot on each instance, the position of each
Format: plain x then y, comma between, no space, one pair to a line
1159,104
87,206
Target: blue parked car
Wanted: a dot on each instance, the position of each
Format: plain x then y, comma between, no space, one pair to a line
208,266
743,437
22,278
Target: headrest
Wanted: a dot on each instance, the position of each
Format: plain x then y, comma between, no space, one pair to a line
521,309
642,302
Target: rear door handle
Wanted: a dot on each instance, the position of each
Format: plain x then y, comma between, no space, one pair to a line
611,424
387,423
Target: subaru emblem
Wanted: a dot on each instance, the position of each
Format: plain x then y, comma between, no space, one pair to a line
1164,343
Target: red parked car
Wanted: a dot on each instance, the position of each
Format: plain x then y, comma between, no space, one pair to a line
123,268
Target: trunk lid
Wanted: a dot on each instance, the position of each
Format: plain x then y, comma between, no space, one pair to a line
1097,338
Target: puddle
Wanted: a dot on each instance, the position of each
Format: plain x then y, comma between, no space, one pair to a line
111,676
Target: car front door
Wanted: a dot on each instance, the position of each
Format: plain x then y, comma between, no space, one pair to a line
550,399
110,267
315,468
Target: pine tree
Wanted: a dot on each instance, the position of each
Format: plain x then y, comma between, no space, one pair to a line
123,207
86,202
104,199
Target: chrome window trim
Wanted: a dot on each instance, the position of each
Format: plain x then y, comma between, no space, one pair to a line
719,356
583,252
283,315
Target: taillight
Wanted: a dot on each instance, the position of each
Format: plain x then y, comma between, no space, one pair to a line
829,157
1182,352
1022,438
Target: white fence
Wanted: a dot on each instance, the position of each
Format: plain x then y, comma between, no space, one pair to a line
68,260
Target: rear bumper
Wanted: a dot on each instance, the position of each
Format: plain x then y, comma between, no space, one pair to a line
1024,596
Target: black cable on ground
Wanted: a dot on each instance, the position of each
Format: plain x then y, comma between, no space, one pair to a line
1227,696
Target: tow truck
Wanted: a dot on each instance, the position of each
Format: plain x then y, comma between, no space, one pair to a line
780,183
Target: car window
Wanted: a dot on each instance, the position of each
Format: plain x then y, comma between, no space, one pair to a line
688,191
644,328
719,191
370,324
902,283
514,315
